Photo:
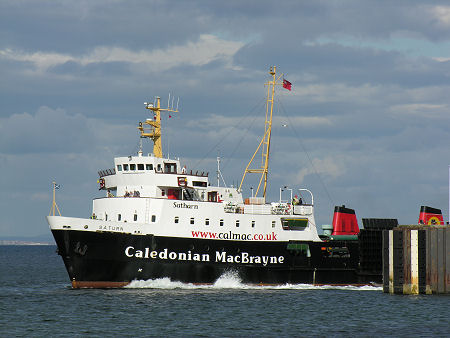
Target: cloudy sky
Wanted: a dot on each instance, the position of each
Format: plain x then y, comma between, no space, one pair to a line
366,123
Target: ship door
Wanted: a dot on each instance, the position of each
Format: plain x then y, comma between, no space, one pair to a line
212,196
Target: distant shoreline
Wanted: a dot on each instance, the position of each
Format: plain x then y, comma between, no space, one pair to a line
24,243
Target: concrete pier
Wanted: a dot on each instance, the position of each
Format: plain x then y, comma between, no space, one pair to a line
416,259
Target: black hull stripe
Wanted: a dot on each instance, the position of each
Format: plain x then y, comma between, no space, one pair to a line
104,260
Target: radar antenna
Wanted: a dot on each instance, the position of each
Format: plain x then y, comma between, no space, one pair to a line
154,130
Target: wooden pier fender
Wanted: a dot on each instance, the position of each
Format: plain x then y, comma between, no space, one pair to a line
416,260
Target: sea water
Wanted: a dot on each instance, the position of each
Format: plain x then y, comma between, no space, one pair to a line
36,300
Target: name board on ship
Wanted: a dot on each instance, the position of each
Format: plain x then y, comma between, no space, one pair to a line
218,257
184,205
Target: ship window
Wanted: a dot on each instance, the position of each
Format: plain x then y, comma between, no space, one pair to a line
149,166
163,192
140,166
132,166
294,224
192,220
119,167
199,184
221,223
176,219
106,217
237,223
153,218
135,217
253,224
158,167
119,217
207,221
170,168
273,224
125,167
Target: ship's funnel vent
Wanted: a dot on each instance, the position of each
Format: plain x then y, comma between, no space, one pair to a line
430,216
344,221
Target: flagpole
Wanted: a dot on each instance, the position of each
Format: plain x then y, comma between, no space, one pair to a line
54,205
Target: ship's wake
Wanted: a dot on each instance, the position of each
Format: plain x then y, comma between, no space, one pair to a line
231,280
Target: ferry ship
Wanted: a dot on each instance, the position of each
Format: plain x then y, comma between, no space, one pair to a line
157,219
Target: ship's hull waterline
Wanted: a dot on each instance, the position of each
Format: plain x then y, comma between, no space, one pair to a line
111,260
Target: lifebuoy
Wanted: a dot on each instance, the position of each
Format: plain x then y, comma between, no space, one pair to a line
433,220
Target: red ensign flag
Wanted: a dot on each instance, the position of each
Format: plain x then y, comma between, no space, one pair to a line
287,84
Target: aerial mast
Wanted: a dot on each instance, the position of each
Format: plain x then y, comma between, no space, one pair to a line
265,141
154,132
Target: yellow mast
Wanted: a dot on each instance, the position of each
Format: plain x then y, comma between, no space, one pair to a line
265,141
155,125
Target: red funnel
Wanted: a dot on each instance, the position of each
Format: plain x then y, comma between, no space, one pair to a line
344,221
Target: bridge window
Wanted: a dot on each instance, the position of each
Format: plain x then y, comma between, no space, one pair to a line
125,167
149,166
170,168
132,166
119,167
140,166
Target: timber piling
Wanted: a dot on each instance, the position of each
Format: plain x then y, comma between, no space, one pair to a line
416,260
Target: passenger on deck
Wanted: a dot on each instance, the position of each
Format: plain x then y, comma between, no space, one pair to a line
295,200
183,170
